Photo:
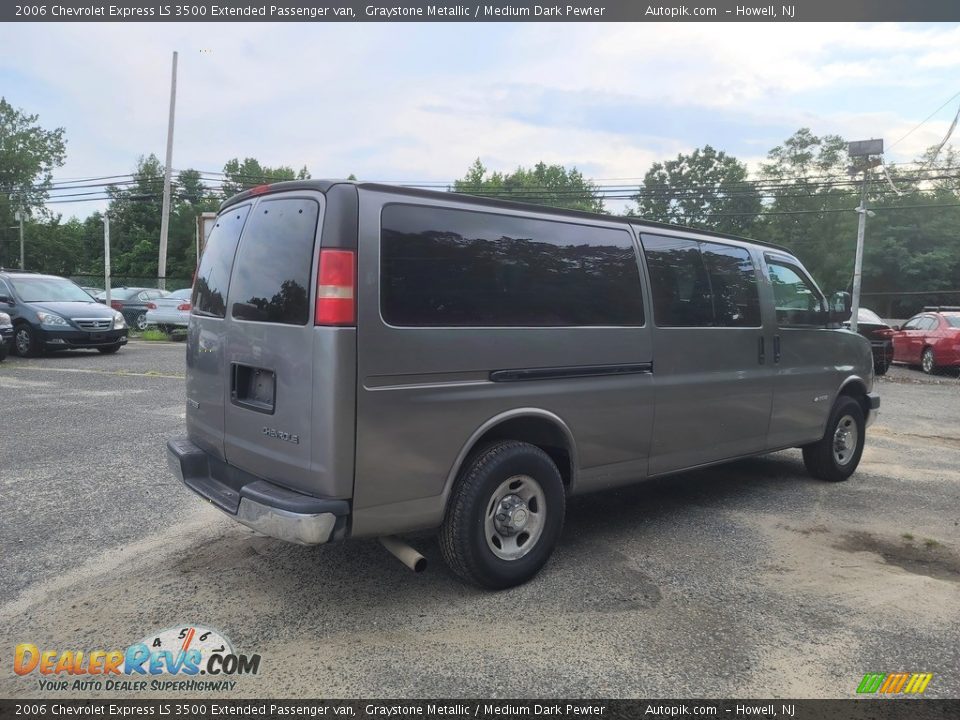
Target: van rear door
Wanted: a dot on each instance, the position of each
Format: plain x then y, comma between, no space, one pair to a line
271,389
268,357
206,334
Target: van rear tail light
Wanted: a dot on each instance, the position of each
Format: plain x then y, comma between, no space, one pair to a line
336,288
183,307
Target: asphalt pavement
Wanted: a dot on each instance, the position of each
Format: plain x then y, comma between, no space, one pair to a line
749,580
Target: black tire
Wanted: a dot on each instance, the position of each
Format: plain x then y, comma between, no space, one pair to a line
109,350
474,501
928,361
821,458
881,368
25,341
3,351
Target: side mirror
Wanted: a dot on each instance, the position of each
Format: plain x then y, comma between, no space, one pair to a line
6,299
896,327
843,302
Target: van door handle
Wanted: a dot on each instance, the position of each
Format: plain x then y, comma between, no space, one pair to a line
776,348
763,351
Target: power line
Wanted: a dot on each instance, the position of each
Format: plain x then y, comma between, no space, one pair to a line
924,121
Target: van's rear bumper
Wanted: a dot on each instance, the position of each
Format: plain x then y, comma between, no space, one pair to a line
255,502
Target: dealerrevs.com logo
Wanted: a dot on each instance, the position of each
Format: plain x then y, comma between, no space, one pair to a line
187,651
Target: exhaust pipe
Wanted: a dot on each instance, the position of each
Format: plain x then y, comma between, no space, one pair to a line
404,553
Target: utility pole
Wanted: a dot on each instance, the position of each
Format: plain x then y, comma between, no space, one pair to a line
18,215
106,257
165,212
861,149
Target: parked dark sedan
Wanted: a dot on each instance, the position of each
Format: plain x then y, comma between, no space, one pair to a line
53,313
6,335
880,335
132,302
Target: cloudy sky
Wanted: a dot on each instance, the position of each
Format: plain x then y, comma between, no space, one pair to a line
410,102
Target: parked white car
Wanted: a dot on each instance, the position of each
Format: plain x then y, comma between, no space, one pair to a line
172,311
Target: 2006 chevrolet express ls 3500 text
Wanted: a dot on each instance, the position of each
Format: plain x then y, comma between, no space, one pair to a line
365,360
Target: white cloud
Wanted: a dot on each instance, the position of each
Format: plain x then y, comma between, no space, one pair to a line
412,102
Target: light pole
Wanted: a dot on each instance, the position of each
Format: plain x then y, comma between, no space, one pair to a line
864,149
165,212
18,216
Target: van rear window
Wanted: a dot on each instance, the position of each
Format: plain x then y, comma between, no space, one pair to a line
213,275
456,268
271,276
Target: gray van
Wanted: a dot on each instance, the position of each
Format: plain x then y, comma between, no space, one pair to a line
365,360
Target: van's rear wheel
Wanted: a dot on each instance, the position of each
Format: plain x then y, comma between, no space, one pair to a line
835,457
505,515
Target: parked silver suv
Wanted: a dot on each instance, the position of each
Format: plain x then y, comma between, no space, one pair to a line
365,360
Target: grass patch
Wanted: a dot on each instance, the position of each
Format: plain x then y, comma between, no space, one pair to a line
907,536
930,543
153,335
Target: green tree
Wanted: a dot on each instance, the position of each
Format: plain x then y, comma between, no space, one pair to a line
28,156
239,176
543,184
811,206
705,189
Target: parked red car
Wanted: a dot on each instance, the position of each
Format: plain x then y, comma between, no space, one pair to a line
930,339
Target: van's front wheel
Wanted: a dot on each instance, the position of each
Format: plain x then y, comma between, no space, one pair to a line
837,454
505,515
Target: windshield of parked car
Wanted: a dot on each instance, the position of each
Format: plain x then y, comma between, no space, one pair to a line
868,316
952,320
48,289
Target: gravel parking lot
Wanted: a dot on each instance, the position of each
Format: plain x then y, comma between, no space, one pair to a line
746,580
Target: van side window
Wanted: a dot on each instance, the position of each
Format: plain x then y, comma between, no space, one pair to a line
213,275
444,267
679,282
797,300
271,275
733,282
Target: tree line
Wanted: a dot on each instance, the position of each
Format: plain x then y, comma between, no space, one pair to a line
802,197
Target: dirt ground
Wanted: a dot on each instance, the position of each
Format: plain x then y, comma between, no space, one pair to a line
746,580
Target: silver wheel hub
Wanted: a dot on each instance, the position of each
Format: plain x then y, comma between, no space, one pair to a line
511,515
845,439
515,518
23,341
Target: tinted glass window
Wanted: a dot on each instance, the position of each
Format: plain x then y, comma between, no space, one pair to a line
213,275
912,324
928,323
952,320
443,267
733,282
796,298
679,282
271,276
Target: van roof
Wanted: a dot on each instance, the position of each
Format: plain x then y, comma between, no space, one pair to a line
324,185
